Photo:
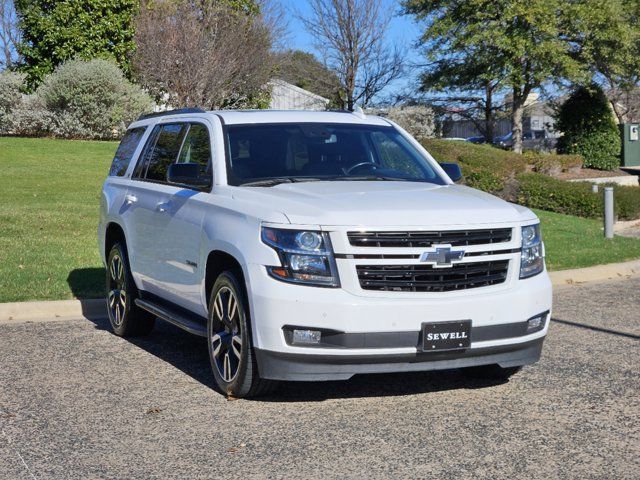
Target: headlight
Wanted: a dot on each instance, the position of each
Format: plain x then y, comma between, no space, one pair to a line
306,257
532,257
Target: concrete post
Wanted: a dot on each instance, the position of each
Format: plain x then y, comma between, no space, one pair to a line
594,188
608,212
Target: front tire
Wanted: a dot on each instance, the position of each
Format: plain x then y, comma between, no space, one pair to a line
126,318
230,344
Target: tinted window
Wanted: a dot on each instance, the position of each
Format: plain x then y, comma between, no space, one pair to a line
165,151
196,147
323,151
125,151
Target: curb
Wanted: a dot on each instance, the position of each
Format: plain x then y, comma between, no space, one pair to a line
21,312
609,271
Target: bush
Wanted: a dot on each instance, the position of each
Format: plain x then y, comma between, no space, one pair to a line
589,129
484,162
30,118
627,202
575,198
10,85
483,180
91,99
525,179
552,164
546,193
418,120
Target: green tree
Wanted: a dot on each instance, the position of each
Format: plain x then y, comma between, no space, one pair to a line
524,41
53,32
471,82
607,34
588,127
303,70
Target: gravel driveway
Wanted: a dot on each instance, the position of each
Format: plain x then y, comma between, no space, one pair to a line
78,402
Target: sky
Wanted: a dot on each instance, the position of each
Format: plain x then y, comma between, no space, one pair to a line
403,31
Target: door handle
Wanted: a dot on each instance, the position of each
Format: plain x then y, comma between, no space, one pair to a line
163,207
129,199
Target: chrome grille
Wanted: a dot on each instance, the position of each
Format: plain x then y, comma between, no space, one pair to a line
426,278
427,239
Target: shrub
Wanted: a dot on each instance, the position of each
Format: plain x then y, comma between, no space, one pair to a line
575,198
552,164
483,180
91,99
525,179
30,118
627,202
10,85
484,167
418,120
589,129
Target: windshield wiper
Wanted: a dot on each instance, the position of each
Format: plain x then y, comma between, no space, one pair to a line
365,178
271,182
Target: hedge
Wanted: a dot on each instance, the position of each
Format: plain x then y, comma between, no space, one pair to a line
575,198
528,179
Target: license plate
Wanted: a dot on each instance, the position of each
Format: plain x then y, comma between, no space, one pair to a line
446,336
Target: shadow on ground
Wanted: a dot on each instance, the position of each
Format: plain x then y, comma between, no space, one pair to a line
189,354
87,282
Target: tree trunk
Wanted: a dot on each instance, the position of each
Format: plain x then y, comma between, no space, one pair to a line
620,115
489,123
516,119
350,85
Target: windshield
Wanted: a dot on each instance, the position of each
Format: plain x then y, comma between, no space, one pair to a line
268,154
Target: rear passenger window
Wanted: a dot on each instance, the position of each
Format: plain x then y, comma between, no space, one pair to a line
196,147
125,151
165,151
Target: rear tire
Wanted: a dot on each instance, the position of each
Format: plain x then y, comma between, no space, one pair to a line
126,318
490,372
230,341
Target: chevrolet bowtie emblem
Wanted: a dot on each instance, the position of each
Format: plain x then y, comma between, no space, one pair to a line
442,256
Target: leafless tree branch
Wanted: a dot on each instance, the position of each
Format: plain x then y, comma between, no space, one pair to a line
351,34
213,57
9,34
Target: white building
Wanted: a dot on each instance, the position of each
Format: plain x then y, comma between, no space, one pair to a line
285,96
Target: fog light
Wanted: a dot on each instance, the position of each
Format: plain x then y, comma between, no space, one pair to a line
306,336
536,322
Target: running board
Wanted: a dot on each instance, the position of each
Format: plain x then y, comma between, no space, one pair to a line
173,317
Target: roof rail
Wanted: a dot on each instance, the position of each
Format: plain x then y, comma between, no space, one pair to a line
357,111
170,112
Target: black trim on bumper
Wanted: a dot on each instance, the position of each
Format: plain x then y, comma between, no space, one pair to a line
338,339
306,367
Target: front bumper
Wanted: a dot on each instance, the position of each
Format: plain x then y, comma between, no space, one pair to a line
304,367
382,333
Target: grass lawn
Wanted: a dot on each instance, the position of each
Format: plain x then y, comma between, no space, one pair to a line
574,242
49,197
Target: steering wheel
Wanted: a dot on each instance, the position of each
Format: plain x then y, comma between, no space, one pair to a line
358,165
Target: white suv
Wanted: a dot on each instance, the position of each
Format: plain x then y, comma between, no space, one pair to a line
315,246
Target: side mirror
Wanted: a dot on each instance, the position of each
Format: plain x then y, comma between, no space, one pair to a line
187,174
453,170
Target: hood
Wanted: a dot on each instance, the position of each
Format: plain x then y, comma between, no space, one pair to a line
383,203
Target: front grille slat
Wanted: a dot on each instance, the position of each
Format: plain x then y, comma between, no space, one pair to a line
426,278
426,239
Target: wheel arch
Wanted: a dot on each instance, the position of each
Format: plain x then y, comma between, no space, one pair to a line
114,233
219,261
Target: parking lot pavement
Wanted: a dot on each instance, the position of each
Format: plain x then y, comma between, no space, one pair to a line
78,402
